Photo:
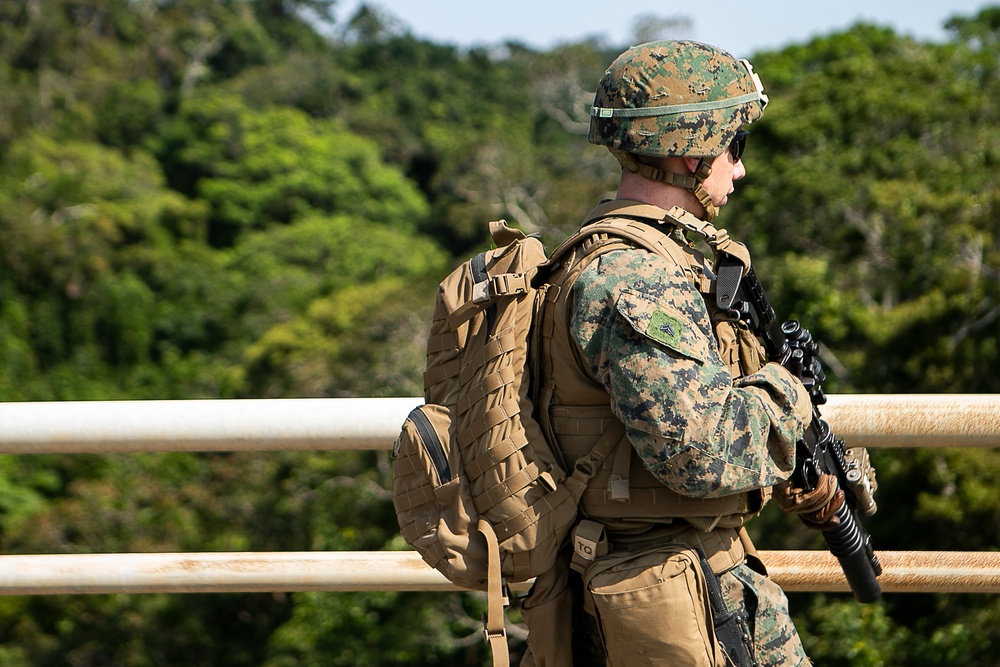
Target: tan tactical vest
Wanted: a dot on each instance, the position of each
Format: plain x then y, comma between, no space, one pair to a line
623,494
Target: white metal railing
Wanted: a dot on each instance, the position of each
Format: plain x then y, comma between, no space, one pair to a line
103,427
76,427
794,571
372,423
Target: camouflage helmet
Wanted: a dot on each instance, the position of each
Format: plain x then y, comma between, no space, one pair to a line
675,99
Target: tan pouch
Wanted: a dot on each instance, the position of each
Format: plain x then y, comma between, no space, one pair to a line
653,608
548,613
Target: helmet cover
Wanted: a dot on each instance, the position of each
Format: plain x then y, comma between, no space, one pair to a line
675,99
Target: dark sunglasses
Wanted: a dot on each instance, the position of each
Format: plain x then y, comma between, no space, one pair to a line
738,145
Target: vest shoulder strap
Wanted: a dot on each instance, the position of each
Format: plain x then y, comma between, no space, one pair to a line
647,214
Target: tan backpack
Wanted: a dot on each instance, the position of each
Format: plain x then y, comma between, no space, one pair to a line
478,491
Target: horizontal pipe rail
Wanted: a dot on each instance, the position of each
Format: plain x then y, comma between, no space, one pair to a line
101,427
952,420
915,420
921,420
794,571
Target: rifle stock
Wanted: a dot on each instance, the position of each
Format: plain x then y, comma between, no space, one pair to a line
820,451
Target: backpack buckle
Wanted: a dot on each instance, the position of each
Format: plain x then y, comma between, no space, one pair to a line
510,284
490,635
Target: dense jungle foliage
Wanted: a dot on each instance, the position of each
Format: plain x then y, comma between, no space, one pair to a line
243,199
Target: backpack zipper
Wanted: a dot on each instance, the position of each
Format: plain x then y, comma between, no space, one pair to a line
432,444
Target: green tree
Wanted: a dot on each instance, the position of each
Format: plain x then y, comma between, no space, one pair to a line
82,226
338,308
874,160
259,168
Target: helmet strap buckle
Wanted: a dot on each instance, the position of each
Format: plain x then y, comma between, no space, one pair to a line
704,170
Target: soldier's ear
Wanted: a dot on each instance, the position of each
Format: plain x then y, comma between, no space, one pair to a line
692,164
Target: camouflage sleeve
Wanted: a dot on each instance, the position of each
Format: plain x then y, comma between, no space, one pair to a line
647,336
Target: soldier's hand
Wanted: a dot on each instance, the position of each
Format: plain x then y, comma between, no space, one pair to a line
817,508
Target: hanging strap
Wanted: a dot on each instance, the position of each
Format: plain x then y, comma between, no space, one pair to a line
494,631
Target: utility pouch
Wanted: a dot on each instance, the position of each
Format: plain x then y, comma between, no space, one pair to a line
590,542
652,607
731,627
548,614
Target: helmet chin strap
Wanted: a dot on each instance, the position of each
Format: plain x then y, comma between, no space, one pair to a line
693,183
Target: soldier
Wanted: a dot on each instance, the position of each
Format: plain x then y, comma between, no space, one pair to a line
637,349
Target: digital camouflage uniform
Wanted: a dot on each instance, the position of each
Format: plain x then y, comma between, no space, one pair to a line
633,341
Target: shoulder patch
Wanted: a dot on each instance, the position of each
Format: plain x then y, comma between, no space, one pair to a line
659,321
665,328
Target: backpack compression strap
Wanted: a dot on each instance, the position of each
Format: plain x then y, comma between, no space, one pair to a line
494,631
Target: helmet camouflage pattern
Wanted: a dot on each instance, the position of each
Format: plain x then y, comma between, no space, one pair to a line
675,99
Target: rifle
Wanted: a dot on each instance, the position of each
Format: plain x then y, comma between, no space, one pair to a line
820,451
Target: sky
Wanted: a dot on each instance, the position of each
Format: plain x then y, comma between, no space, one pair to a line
742,28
